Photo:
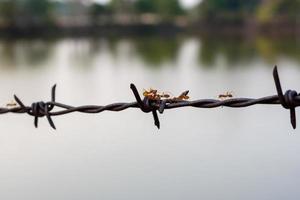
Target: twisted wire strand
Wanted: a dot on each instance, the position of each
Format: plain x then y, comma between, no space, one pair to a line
290,100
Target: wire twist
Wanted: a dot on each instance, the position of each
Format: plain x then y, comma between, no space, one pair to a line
289,100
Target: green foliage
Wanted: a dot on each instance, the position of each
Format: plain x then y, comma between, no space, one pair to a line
290,8
37,12
227,9
169,7
264,11
29,11
99,9
39,8
121,6
165,8
229,5
145,6
8,10
279,9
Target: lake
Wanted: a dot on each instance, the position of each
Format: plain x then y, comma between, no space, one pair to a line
222,153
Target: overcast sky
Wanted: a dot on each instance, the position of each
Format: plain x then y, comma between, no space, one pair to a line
185,3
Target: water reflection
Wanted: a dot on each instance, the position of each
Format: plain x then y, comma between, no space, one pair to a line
273,49
239,50
8,55
232,50
29,53
153,51
157,50
82,52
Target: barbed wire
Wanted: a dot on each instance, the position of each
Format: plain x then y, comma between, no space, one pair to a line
289,100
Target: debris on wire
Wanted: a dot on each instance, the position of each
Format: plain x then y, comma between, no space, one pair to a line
153,102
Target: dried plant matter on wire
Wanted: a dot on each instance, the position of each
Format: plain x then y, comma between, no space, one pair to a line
153,102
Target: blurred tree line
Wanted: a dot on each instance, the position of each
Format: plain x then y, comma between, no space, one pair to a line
61,12
261,11
24,13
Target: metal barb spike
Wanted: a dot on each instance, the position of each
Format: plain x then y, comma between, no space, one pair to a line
49,117
145,105
19,101
137,96
282,100
156,119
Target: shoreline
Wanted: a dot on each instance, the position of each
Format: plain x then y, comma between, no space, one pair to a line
169,29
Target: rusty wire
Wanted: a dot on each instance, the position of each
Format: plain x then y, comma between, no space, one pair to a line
290,100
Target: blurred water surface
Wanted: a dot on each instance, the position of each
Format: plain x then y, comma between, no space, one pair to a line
221,153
